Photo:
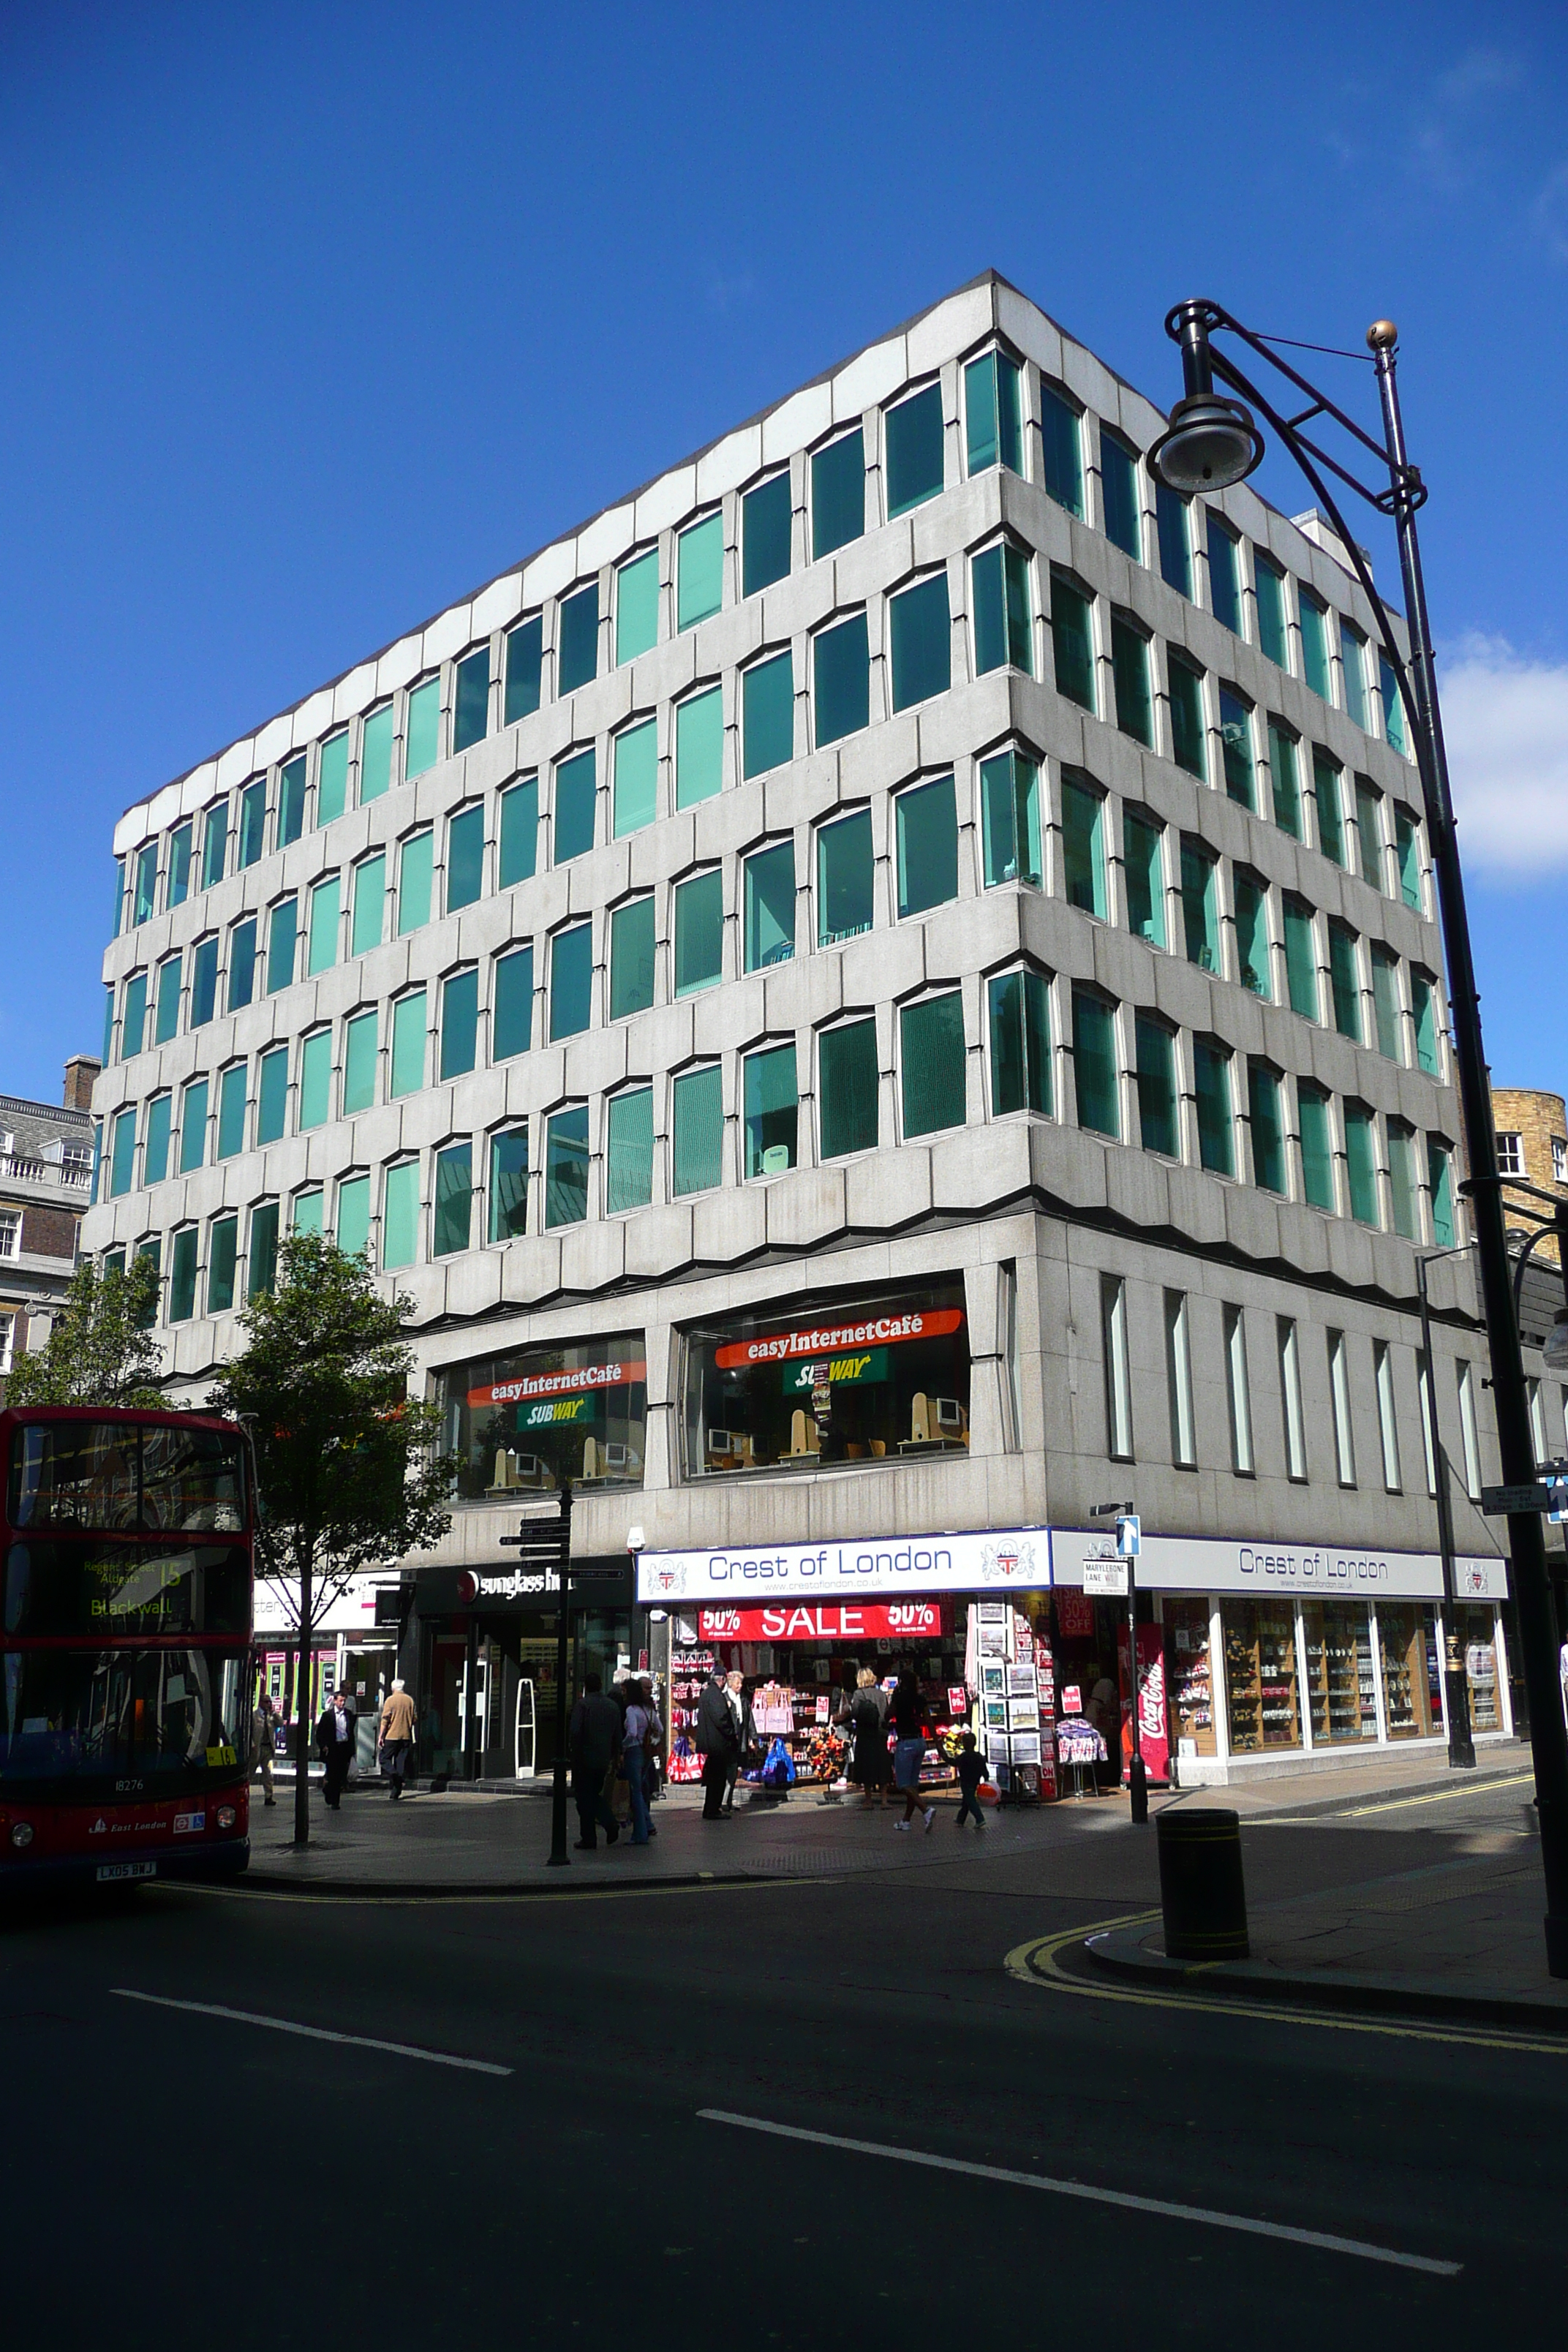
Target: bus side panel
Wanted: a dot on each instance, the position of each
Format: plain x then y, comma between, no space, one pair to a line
182,1837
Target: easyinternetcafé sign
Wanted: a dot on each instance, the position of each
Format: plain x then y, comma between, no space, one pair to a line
993,1561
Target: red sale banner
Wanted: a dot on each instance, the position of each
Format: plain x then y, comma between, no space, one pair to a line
1154,1738
827,1621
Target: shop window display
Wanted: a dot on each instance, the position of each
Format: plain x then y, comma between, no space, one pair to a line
1342,1692
1412,1671
1187,1678
1261,1694
1477,1630
524,1422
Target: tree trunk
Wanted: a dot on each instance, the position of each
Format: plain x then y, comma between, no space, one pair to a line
302,1695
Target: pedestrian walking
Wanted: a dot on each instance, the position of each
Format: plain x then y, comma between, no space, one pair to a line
640,1731
870,1767
264,1744
718,1741
593,1742
745,1732
910,1729
395,1738
971,1772
335,1747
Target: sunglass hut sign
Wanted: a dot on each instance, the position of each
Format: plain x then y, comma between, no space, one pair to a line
990,1560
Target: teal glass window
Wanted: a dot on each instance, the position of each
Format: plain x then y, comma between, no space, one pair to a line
770,1111
848,1088
1235,748
315,1097
1264,1115
699,932
1010,820
628,1150
332,778
1252,955
1216,1121
215,845
193,1127
1130,681
252,822
511,1015
1095,1080
1118,486
1440,1187
1424,1019
1361,1163
1142,866
1176,544
1225,574
571,982
282,944
1158,1125
1408,855
1344,982
454,1199
1200,913
999,592
166,1012
576,802
155,1138
932,1056
231,1110
1285,779
409,1023
123,1154
1392,703
1369,831
361,1041
1072,642
465,857
518,831
837,494
1331,821
180,860
765,535
699,572
1269,582
914,450
204,983
153,1250
292,801
400,1214
375,753
369,918
1314,642
1353,660
1402,1181
146,882
1385,1003
524,666
460,1023
262,1266
697,1156
271,1095
844,873
1301,959
841,663
509,1184
635,788
182,1275
1317,1145
927,828
699,738
353,1216
577,651
631,959
1187,727
1083,847
108,1053
637,606
321,943
1062,450
471,700
423,739
1019,1004
993,412
768,913
223,1263
134,1016
921,638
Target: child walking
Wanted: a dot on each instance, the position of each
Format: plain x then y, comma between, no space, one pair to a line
971,1772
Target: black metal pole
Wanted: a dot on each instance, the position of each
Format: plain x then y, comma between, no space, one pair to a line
470,1673
1137,1778
1461,1746
559,1857
303,1700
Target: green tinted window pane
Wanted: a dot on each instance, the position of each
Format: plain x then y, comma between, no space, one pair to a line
155,1251
524,662
577,654
1330,823
988,596
193,1127
1216,1130
231,1109
155,1147
932,1056
769,913
183,1277
360,1041
370,904
1072,643
282,943
1129,677
699,932
1188,718
631,959
993,418
844,878
146,881
1144,868
1344,982
409,1027
1301,959
459,1024
423,742
252,822
1270,584
315,1079
1176,548
400,1214
571,982
699,742
1063,455
292,801
1423,1008
1314,644
1317,1147
107,1055
699,572
1123,509
921,643
518,831
1252,937
637,606
465,858
1083,853
509,1185
848,1089
767,707
471,700
1263,1107
1010,819
321,951
415,873
1385,1003
1360,1164
566,1168
332,778
1200,920
1286,780
1353,656
914,439
1020,624
511,1019
353,1216
837,494
1095,1074
1010,411
635,792
771,1112
123,1154
1402,1181
1392,703
577,798
842,670
1225,574
133,1018
928,846
1020,1011
215,845
1407,849
1369,832
1236,741
375,753
271,1095
698,1143
204,985
166,1018
1439,1184
765,535
454,1199
180,855
223,1255
629,1152
262,1267
1157,1126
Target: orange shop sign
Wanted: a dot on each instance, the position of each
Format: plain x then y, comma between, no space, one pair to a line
839,1338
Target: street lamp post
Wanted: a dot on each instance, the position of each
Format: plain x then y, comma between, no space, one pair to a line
1461,1746
1211,444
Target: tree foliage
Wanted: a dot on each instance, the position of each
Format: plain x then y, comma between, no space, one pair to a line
101,1350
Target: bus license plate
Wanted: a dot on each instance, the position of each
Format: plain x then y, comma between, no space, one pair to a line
127,1870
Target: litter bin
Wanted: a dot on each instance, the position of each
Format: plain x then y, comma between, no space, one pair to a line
1202,1893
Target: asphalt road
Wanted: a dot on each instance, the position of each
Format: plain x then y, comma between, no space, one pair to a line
177,2179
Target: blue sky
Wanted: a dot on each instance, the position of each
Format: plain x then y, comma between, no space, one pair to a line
319,316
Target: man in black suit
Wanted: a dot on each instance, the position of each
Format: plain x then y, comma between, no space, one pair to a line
335,1745
718,1743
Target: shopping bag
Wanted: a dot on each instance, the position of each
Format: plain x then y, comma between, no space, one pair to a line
778,1772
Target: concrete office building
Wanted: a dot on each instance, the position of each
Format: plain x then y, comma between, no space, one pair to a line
886,986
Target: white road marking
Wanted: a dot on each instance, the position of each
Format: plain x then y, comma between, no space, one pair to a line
312,2032
1080,2188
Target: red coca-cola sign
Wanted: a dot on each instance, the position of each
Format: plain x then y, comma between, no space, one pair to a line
829,1621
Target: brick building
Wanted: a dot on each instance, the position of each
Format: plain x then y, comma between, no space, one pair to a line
45,1177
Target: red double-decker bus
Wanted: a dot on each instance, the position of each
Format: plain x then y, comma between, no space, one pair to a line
125,1645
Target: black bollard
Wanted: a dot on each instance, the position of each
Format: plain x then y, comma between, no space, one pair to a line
1201,1892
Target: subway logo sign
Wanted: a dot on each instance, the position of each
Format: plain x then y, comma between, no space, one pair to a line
869,1364
556,1410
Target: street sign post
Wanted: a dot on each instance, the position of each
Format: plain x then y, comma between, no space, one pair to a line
1129,1536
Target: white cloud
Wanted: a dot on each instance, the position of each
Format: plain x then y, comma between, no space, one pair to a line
1505,720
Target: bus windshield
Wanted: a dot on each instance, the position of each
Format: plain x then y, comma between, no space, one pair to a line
165,1720
89,1585
126,1477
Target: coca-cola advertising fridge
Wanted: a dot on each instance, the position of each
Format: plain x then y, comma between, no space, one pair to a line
1153,1733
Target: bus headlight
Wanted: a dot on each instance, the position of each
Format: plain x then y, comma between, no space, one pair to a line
226,1817
22,1834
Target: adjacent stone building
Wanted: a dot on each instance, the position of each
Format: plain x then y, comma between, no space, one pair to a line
45,1175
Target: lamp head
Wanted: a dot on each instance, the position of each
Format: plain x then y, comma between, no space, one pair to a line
1382,335
1210,443
636,1539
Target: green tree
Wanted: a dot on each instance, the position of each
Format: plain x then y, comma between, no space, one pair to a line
101,1350
346,1459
